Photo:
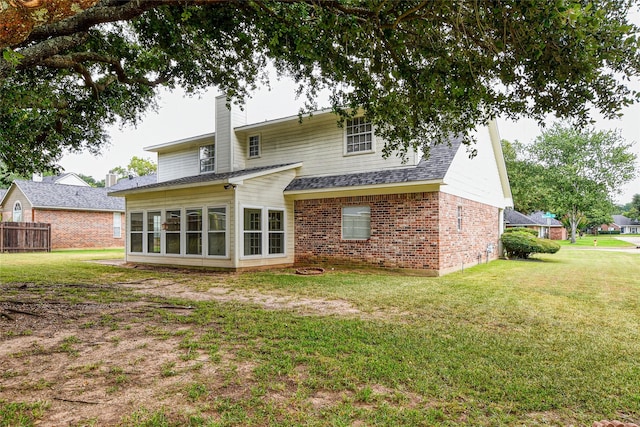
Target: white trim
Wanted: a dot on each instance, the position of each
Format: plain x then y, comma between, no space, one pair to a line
372,150
264,231
254,135
13,212
281,120
238,180
192,140
227,233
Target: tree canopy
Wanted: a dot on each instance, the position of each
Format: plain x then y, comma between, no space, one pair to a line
578,171
421,70
137,167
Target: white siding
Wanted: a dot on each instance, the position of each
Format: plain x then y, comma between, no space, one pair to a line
476,178
181,163
318,142
228,156
267,191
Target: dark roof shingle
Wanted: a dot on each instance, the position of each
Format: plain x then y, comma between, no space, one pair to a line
48,195
433,168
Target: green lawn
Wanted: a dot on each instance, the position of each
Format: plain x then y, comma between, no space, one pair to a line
550,341
602,240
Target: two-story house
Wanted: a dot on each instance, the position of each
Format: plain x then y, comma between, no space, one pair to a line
290,191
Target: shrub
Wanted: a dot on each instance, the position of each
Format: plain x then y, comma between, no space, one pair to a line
521,244
518,229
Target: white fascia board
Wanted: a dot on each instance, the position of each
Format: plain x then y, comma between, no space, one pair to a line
280,120
174,144
241,178
68,208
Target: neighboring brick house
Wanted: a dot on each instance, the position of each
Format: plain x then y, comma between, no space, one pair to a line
621,224
547,228
80,216
290,191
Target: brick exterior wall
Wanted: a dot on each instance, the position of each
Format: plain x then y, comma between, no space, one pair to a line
81,229
410,231
557,233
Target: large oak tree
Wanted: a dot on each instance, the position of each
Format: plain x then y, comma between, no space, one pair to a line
422,70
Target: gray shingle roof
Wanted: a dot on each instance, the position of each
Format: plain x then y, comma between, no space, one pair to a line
433,168
512,217
48,195
623,220
199,179
541,220
137,181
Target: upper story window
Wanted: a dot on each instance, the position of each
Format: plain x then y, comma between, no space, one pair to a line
359,134
17,212
207,158
254,146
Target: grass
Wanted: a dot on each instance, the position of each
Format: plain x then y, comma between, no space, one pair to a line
602,240
549,341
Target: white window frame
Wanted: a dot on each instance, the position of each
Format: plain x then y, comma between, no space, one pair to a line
17,207
187,232
117,225
349,126
211,160
226,232
459,217
344,224
264,232
166,232
142,233
148,231
251,138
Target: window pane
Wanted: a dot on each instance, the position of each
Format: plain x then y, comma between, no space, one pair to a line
135,242
252,219
254,146
356,222
194,219
217,244
207,158
194,243
275,221
217,219
135,224
276,243
276,232
172,236
173,243
359,135
217,223
154,225
252,243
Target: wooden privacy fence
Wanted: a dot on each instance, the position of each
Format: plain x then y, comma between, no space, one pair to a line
25,237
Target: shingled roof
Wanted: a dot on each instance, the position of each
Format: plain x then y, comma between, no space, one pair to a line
513,217
61,196
205,178
435,167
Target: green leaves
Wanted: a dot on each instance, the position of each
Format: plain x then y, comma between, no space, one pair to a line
422,71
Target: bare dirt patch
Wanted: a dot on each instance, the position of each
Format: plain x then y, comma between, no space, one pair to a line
97,363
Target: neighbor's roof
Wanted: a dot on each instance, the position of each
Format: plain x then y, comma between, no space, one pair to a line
513,217
541,220
205,179
623,220
61,196
431,169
